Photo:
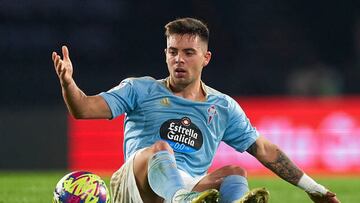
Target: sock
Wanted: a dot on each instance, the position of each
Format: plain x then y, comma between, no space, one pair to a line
233,188
164,178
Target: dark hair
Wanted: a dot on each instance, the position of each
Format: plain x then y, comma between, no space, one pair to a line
189,26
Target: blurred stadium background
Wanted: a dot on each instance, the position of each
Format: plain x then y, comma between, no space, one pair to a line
293,66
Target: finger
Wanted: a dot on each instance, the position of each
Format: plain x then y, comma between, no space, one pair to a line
59,68
53,55
334,200
57,60
332,197
330,194
65,52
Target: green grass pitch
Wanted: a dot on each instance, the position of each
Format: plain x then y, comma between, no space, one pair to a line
37,187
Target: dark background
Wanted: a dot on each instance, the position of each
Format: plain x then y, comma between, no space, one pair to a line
279,47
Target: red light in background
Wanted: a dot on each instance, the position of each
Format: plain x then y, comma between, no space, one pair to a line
95,145
318,134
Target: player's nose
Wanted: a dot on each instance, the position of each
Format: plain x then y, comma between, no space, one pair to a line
179,58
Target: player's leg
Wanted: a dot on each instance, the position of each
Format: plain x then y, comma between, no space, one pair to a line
141,171
158,178
232,183
230,180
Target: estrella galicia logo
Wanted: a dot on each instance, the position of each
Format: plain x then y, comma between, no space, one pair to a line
182,135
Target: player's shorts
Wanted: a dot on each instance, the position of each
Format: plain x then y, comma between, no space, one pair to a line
123,184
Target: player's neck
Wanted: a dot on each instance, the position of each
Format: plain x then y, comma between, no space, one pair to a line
193,91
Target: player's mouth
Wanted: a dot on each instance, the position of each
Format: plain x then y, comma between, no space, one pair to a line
180,72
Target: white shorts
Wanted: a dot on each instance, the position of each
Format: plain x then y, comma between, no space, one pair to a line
123,184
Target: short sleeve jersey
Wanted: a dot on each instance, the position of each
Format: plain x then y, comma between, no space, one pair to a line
193,129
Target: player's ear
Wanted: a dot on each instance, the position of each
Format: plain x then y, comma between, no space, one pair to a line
207,57
165,50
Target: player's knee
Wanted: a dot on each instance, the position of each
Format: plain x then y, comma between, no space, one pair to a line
235,170
161,146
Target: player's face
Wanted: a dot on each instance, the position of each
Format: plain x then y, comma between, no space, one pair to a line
186,55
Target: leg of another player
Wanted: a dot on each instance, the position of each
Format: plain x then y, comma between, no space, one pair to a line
230,180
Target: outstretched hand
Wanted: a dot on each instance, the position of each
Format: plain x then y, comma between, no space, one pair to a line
329,197
63,67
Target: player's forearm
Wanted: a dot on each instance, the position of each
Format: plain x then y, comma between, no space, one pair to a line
275,160
75,100
279,163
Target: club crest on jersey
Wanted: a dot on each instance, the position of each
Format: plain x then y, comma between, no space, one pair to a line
182,135
186,121
211,113
121,85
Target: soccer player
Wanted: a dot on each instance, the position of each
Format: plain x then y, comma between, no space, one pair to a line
173,127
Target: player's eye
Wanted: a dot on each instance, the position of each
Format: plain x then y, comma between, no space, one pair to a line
172,52
189,53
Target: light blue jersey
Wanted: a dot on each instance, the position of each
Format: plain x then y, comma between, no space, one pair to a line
193,129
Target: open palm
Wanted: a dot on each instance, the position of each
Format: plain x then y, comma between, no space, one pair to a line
63,67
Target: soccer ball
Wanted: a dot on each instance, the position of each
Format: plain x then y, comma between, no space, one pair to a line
81,187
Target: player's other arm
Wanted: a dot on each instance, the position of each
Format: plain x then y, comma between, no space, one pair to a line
78,103
272,157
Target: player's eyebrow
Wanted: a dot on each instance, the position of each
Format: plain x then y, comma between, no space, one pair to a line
186,49
190,49
173,48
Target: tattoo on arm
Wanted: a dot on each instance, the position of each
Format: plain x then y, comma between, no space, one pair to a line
285,168
281,166
252,149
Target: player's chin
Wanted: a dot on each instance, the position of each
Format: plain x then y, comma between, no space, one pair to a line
181,79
